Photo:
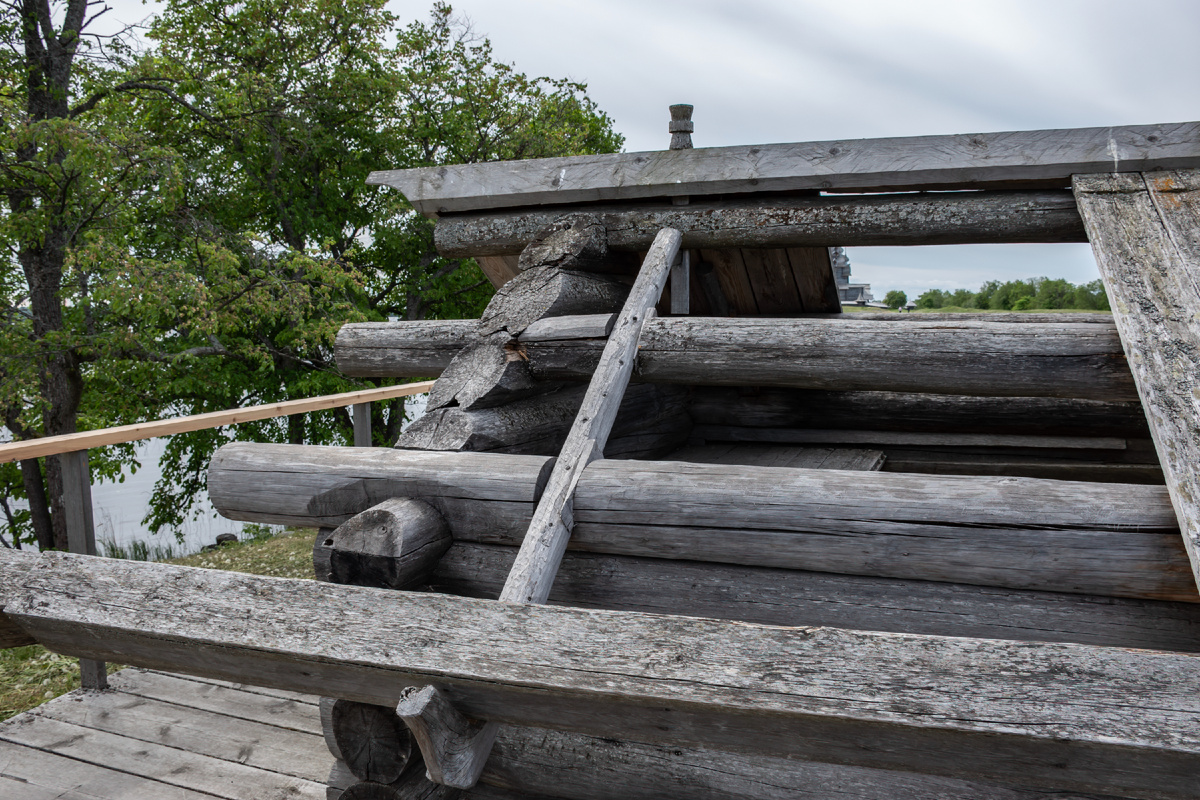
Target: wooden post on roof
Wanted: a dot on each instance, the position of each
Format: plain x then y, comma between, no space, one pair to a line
681,128
1145,232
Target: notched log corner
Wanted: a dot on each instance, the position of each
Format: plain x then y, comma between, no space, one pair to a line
576,242
393,545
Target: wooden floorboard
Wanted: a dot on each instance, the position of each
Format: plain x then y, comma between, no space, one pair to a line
157,736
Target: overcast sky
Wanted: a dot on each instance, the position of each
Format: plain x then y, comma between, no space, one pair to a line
762,71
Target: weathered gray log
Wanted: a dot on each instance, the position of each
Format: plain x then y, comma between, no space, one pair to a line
951,218
486,373
576,243
1101,539
416,348
455,748
1046,716
393,545
540,764
579,767
980,358
549,292
651,423
325,486
773,596
1145,232
385,350
1097,539
369,739
928,413
971,161
550,529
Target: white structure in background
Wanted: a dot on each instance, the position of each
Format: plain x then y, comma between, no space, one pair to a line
856,293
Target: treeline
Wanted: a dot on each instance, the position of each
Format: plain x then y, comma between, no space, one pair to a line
186,221
1040,293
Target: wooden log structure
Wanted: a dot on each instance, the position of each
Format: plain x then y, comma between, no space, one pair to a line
1105,539
947,218
1044,716
967,357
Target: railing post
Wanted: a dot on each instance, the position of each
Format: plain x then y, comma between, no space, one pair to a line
81,538
362,424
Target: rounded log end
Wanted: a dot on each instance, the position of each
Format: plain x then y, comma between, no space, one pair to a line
393,545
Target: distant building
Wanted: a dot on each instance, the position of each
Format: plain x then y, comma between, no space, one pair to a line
859,293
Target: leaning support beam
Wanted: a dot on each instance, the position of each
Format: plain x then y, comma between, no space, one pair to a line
544,545
1145,232
970,160
455,751
957,357
952,218
1022,533
1045,716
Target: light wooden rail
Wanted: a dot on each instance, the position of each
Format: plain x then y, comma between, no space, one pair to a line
71,442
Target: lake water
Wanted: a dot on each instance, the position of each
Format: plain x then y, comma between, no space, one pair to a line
118,508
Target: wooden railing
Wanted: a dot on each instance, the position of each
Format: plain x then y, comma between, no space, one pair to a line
72,451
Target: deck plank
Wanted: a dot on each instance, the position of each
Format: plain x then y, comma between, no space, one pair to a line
27,773
280,712
286,752
224,779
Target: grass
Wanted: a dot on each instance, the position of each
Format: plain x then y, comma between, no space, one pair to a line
29,676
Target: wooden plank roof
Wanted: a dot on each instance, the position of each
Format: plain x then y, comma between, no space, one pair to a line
1047,157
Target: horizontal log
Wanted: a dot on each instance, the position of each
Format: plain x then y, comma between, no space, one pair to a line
757,407
1097,539
540,764
651,423
951,218
326,486
772,596
965,355
418,349
1101,539
972,358
579,767
1047,716
960,161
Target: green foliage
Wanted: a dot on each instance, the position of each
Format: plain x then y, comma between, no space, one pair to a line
895,299
207,204
1023,295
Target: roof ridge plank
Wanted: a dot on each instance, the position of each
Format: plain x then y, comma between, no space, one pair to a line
970,160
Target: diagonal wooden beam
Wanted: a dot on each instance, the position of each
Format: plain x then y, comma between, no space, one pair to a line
1110,721
456,749
1145,232
544,545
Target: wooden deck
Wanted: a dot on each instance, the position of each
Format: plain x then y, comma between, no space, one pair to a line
156,736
